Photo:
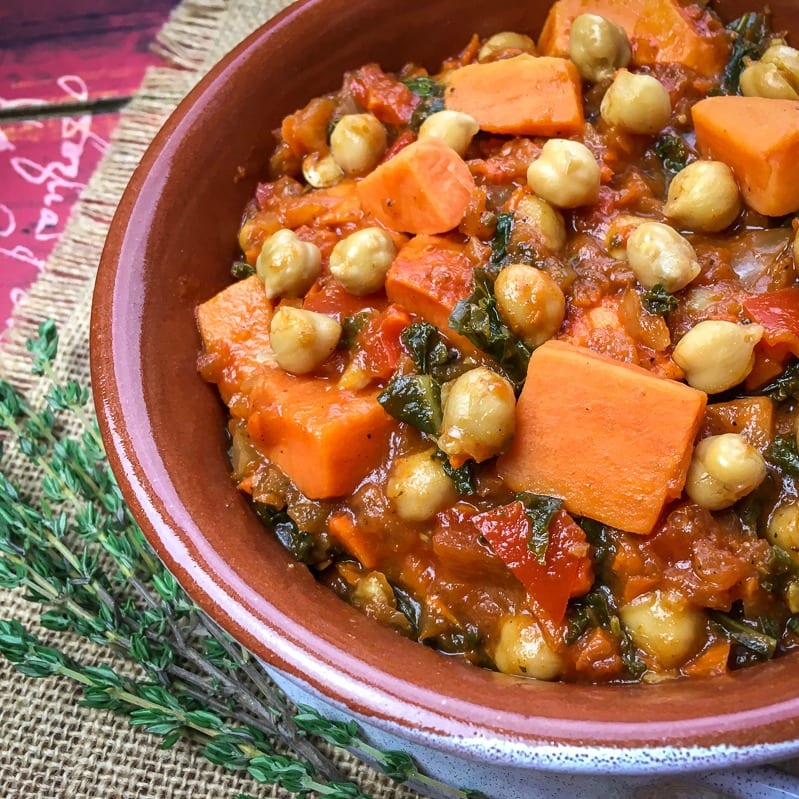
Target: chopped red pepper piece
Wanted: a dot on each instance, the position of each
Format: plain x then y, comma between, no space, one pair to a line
567,570
778,312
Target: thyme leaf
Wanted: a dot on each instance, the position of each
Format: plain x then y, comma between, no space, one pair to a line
77,551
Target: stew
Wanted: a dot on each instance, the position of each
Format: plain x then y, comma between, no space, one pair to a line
511,356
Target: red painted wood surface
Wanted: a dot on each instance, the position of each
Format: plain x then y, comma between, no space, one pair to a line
64,70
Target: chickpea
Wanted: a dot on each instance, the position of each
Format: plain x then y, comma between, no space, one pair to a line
321,173
703,197
302,340
716,355
538,220
658,254
619,230
635,102
419,487
522,649
565,174
357,143
505,40
786,58
791,594
361,260
374,591
597,47
531,302
775,75
766,80
723,469
479,415
454,128
287,265
664,626
783,529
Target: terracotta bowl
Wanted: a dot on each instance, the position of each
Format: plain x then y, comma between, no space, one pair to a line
170,247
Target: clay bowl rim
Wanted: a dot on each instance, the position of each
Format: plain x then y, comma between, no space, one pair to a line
354,664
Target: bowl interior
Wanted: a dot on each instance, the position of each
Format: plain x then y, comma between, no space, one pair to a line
169,249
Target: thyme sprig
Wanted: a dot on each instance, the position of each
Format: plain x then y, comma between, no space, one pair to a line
75,549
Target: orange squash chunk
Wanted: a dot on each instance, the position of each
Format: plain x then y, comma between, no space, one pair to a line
523,95
660,31
324,438
554,38
758,139
429,276
424,188
234,327
609,438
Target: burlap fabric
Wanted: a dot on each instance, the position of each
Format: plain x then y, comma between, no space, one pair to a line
50,747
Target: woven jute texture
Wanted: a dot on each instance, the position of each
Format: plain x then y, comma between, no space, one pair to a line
49,746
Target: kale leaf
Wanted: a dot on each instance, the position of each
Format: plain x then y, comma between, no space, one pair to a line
426,347
351,326
501,239
671,150
241,270
414,399
784,386
658,301
748,634
462,477
298,542
425,86
784,454
751,36
431,94
598,609
478,318
540,510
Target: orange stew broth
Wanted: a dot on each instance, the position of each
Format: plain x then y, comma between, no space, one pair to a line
446,581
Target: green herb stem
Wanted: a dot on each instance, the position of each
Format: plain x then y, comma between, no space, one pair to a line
77,552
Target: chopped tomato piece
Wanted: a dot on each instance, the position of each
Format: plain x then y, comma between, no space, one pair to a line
567,570
390,100
377,345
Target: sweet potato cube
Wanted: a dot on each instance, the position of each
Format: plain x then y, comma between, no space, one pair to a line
429,276
609,438
524,95
660,31
554,38
670,31
234,327
424,188
326,439
364,544
758,139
